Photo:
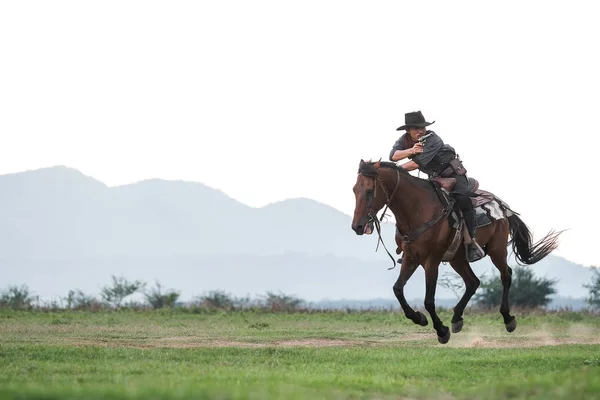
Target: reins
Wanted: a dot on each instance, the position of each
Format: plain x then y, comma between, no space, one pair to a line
375,220
413,235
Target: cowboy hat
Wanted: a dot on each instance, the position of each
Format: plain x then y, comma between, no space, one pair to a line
414,118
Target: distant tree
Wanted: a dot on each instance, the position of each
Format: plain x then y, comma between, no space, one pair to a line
245,302
282,302
526,290
77,300
452,282
70,299
217,299
594,289
120,289
158,299
15,297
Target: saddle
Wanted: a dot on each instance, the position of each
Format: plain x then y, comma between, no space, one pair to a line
488,208
449,183
482,196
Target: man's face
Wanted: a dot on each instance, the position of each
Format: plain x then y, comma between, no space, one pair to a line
416,132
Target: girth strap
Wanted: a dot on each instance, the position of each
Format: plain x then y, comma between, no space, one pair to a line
418,232
412,236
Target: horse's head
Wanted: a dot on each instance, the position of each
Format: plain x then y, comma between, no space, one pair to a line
371,195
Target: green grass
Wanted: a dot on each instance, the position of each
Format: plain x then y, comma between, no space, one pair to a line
242,355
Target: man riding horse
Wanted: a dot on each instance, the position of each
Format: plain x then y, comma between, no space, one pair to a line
428,153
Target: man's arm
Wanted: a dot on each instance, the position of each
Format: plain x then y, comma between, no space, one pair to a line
399,152
428,151
402,154
410,166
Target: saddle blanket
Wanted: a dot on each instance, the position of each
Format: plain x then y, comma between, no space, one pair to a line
488,208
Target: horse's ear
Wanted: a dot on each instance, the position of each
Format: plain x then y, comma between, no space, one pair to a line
377,164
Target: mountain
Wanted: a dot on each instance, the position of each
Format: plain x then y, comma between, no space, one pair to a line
63,230
58,212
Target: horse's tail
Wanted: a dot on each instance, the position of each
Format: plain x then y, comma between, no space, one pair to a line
525,251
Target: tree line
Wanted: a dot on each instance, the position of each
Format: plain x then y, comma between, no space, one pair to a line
115,296
527,291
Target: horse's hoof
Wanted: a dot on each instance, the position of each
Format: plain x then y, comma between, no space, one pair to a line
457,326
420,319
445,337
512,325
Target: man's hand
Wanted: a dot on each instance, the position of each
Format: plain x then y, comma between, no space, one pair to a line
402,154
417,148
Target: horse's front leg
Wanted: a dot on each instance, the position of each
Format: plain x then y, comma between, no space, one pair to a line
462,268
431,276
407,268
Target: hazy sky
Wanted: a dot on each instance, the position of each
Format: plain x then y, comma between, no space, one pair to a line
268,100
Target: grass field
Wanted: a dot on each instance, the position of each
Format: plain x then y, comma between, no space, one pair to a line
327,355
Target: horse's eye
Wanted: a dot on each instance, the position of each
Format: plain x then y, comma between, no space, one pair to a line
369,193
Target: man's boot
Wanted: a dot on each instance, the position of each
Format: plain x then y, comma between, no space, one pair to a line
474,251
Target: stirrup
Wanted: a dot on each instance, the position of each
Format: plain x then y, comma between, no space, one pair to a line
475,255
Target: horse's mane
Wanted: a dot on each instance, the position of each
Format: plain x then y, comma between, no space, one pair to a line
367,168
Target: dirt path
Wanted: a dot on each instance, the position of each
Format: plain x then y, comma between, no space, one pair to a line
469,339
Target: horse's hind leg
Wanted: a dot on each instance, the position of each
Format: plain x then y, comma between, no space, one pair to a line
407,268
431,276
498,252
506,276
462,268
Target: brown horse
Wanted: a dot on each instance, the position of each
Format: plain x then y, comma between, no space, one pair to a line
427,234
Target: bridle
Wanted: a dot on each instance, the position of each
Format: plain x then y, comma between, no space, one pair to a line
413,235
373,218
